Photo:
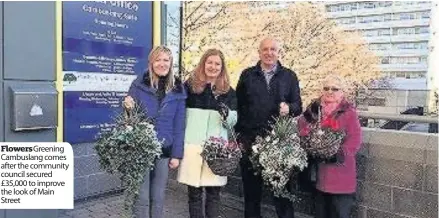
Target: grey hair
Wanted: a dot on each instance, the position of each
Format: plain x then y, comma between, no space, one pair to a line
332,77
276,41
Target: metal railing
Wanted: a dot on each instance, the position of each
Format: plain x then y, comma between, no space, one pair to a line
399,117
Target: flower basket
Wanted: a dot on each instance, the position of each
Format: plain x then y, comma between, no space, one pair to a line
323,143
130,149
323,139
279,156
221,156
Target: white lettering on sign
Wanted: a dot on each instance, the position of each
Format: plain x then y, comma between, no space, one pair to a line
36,110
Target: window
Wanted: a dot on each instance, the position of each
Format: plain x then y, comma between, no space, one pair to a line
369,5
384,32
404,46
425,15
350,20
385,4
391,74
422,30
413,75
423,45
415,45
400,74
379,47
405,31
345,7
387,17
369,33
404,60
371,19
335,8
407,16
354,6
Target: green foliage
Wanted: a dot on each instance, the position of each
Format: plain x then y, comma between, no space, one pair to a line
130,150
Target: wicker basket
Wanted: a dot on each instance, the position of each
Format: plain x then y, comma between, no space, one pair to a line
322,143
223,166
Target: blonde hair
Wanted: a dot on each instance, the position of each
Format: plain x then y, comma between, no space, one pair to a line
197,80
153,77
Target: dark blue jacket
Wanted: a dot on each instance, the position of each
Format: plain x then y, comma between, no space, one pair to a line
169,116
258,104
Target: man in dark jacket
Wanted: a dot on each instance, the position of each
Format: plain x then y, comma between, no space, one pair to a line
264,91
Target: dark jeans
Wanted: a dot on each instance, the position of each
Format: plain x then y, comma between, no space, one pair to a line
333,205
152,192
212,206
253,193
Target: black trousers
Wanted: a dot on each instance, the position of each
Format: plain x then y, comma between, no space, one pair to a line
253,194
333,205
212,205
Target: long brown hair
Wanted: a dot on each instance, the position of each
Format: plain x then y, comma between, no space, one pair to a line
197,80
153,78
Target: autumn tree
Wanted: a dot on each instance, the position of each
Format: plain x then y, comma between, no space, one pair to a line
202,21
311,44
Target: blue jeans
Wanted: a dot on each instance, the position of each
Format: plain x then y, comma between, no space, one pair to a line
152,192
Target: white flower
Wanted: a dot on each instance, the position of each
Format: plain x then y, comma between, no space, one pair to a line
129,128
267,139
255,148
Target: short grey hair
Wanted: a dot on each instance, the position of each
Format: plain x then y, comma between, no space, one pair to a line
332,77
276,41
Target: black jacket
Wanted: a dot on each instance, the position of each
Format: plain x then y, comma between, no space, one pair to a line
206,100
257,106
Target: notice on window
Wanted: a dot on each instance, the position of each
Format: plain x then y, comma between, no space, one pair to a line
36,176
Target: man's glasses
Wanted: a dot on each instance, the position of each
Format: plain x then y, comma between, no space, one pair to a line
334,89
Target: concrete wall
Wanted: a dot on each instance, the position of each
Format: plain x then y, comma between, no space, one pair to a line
398,174
397,177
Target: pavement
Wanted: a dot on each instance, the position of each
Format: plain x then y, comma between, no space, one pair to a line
176,206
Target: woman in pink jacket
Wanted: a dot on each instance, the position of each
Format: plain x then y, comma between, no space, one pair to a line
336,178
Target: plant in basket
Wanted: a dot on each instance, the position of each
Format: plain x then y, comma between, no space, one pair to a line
323,139
279,156
129,150
222,156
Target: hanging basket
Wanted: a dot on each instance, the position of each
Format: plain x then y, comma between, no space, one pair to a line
223,166
323,142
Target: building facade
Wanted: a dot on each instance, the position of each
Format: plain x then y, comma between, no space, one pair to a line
398,32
